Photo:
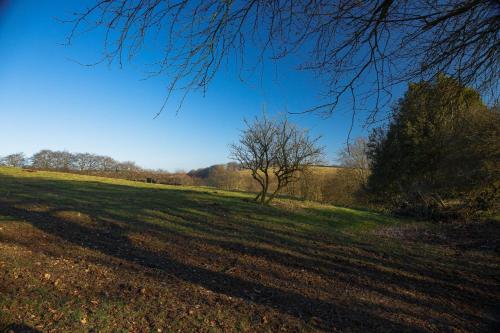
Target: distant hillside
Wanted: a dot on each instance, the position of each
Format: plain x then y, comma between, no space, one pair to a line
204,173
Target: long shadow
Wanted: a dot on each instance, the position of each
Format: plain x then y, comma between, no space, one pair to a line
108,202
325,264
115,243
441,284
17,328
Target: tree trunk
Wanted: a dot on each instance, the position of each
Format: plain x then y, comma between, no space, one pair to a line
265,187
271,197
263,190
263,196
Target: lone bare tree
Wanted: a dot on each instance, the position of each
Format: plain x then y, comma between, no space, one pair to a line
275,150
355,157
360,49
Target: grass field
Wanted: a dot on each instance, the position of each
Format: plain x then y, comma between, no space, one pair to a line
89,254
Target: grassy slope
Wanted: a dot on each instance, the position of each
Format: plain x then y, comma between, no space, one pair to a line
82,253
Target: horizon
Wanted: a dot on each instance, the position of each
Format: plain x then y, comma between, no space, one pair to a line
49,100
28,163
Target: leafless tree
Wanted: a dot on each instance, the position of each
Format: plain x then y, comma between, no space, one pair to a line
17,160
275,150
42,160
355,157
62,160
83,161
107,163
360,49
56,160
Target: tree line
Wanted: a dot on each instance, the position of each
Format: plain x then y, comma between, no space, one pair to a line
97,165
66,161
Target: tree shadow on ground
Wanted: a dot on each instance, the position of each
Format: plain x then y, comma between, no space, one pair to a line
117,244
17,328
239,228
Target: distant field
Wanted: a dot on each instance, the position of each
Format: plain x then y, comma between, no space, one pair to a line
326,169
322,170
90,254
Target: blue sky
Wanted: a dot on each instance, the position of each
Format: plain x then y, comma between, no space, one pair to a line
49,101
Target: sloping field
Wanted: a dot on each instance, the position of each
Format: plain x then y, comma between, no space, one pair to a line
88,254
316,170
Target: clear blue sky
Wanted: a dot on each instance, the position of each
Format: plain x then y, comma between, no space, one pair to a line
48,101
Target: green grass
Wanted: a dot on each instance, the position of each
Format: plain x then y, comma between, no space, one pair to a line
81,253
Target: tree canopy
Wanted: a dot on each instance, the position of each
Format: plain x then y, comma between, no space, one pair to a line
442,144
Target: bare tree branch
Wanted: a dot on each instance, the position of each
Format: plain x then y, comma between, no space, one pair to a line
365,47
275,150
